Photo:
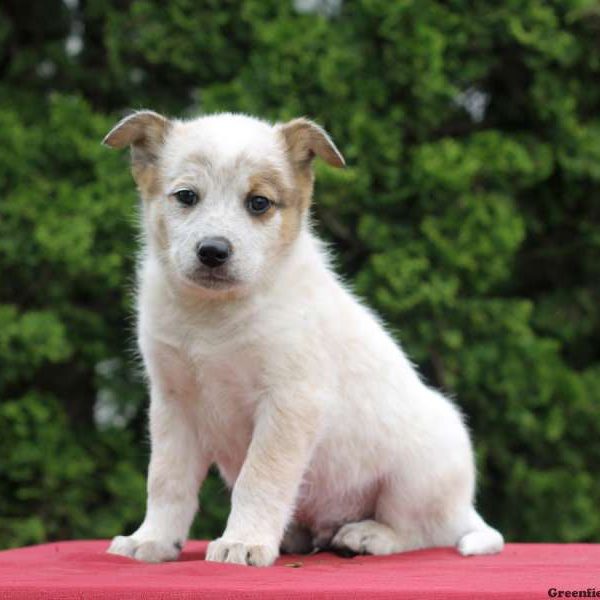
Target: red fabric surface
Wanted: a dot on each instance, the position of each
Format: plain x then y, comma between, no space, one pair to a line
70,570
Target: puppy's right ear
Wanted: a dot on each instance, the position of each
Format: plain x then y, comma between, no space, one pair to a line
145,132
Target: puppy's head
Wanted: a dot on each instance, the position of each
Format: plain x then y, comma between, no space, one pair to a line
224,195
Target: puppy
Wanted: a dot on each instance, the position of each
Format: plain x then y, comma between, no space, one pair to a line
260,361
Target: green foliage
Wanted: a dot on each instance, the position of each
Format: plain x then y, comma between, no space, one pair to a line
469,216
58,484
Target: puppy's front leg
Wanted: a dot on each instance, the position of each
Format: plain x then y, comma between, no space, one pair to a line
264,493
178,464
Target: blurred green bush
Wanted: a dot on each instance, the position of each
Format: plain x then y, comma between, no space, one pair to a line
469,216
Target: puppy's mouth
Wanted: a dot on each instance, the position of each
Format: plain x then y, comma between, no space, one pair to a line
214,279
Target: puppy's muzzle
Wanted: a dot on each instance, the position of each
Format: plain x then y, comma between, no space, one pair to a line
214,252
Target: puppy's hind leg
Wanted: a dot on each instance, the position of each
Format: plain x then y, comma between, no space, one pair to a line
400,523
417,517
421,520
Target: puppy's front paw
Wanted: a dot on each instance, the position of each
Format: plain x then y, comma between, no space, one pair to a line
147,550
240,553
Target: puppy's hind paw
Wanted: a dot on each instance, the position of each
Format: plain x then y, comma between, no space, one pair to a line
366,537
239,553
483,541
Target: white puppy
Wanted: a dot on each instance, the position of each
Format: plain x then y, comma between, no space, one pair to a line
261,361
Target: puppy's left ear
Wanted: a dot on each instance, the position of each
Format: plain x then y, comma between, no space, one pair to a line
305,140
144,131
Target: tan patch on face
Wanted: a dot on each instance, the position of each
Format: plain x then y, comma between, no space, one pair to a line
300,197
147,178
268,183
291,202
161,233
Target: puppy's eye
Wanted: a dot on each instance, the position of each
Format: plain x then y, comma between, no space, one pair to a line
258,205
186,197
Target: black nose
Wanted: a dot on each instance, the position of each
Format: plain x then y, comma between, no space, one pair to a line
214,252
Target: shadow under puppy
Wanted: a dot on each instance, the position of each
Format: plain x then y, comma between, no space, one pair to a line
259,360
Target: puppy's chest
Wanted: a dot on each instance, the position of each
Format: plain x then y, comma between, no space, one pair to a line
228,396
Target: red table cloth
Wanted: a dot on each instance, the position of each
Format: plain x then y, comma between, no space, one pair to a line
70,570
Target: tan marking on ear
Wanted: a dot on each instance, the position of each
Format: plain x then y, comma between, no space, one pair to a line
304,140
143,125
145,132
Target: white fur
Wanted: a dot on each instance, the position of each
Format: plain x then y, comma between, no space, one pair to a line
286,381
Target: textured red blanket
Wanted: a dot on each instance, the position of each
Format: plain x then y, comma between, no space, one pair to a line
71,570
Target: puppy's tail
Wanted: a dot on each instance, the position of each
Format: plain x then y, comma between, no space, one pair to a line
480,539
